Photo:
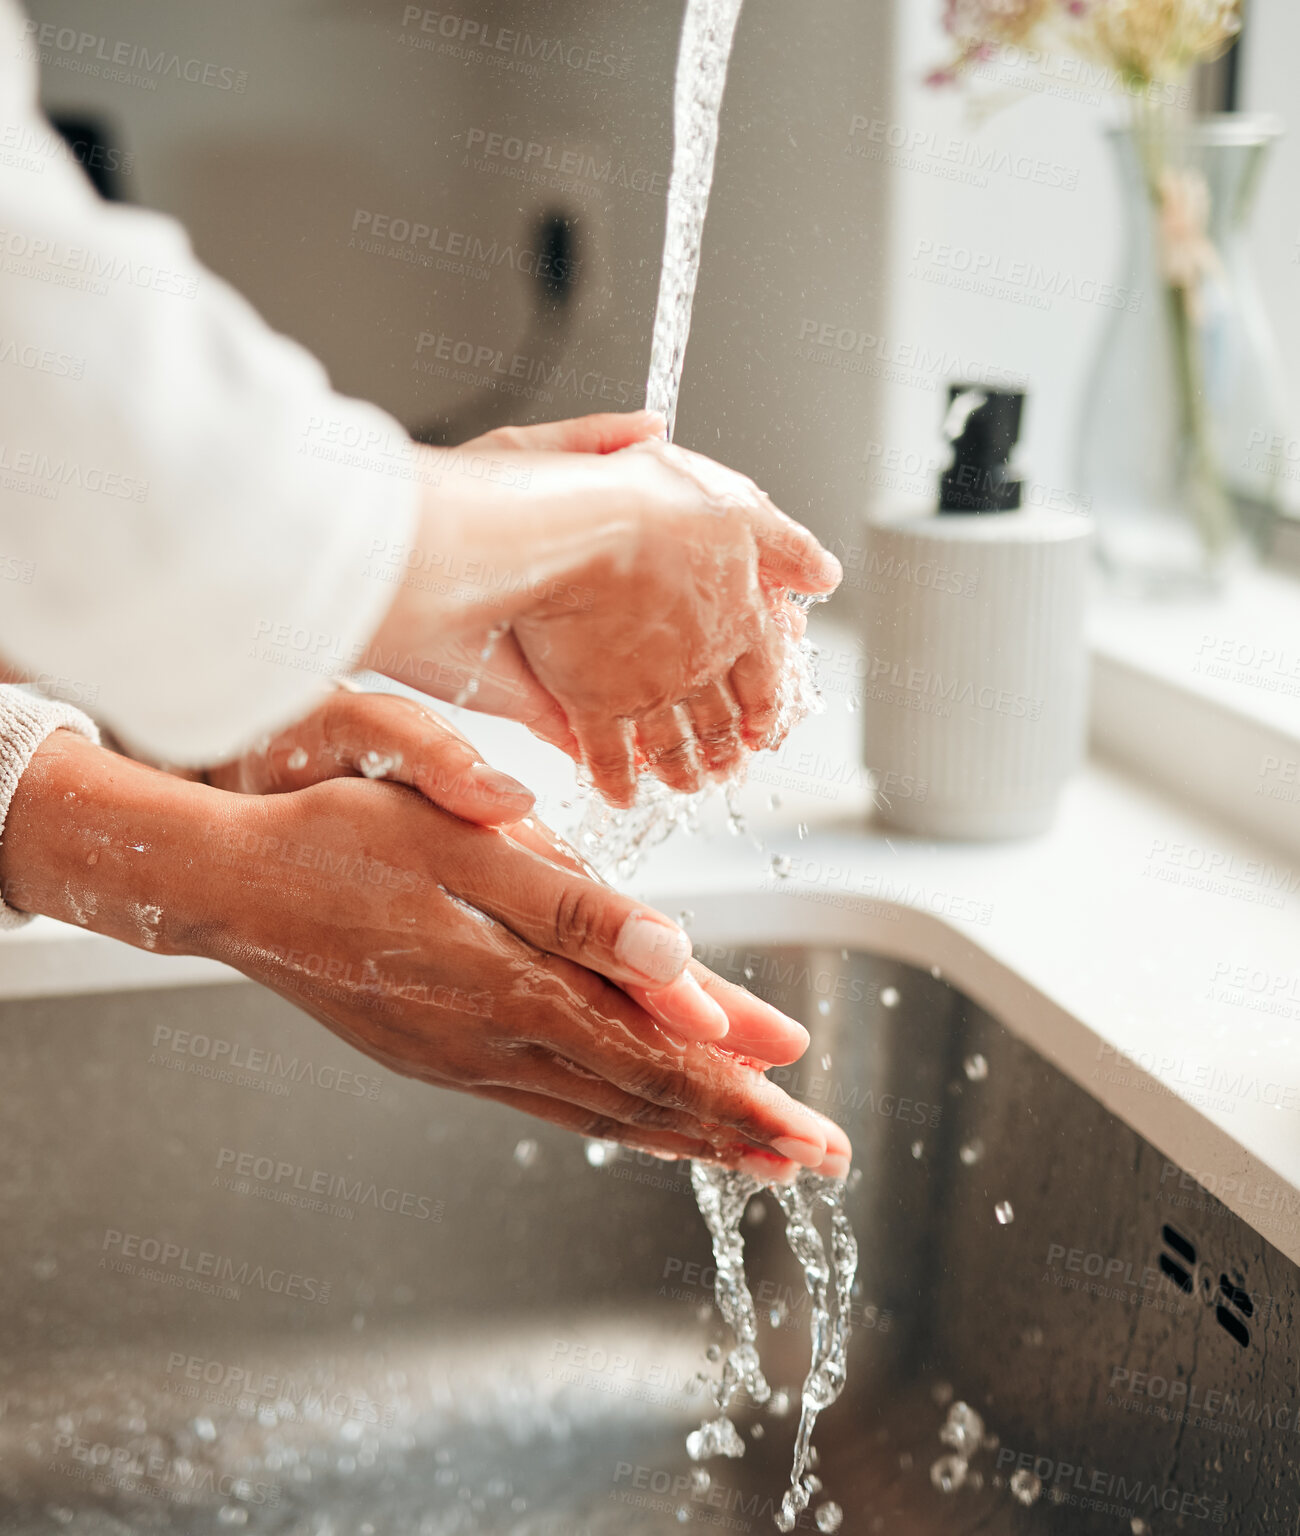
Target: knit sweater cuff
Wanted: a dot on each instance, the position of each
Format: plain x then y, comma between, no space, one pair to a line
26,720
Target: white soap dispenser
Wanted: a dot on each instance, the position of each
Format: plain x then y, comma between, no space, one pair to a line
975,680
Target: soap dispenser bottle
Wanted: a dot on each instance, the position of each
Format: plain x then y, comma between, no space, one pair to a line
975,669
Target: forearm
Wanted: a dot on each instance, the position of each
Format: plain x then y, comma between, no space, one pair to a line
110,845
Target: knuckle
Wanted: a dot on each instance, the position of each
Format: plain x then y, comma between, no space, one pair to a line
600,1127
658,1084
649,1116
578,916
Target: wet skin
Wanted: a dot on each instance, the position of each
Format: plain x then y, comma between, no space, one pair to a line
442,948
637,613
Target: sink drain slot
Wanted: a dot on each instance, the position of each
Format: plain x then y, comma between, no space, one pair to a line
1233,1306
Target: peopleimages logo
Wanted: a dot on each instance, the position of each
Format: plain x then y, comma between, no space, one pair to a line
89,53
276,1174
196,1269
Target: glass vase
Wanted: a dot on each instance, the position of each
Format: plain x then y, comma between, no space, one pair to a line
1187,384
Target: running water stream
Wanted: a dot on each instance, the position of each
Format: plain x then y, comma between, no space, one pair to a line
702,58
616,839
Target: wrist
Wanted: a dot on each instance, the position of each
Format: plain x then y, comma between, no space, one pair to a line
486,550
113,846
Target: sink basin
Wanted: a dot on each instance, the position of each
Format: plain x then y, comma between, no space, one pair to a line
252,1282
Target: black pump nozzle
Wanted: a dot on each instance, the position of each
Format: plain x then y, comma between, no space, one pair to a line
982,425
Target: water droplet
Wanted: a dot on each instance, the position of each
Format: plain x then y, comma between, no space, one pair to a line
971,1152
683,1515
713,1352
774,802
755,1213
231,1514
1139,1527
962,1430
854,1178
776,1316
778,1405
1025,1486
93,856
948,1473
1033,1337
826,1062
918,1150
844,954
378,765
889,997
685,917
749,973
298,759
600,1153
701,1482
1004,1213
526,1153
829,1516
781,865
851,704
823,1006
941,1393
205,1429
977,1069
802,830
756,1431
936,972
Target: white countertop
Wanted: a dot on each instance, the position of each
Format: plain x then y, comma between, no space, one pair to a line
1149,952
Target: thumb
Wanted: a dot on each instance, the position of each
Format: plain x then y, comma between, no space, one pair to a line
603,433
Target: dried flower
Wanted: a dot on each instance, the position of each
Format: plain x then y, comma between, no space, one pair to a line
1143,40
1149,40
1187,254
979,26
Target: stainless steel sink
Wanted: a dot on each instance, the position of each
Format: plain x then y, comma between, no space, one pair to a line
252,1282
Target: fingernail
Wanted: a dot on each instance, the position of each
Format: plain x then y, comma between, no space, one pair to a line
658,420
686,1005
500,787
829,569
806,1153
652,947
834,1166
768,1170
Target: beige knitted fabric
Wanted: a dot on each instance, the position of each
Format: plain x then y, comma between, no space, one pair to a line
26,720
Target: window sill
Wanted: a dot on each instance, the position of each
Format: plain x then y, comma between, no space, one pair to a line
1203,699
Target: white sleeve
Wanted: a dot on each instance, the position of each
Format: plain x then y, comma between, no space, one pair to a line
187,510
25,722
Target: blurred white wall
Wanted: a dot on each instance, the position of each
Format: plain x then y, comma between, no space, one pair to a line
1271,52
366,110
1005,246
852,207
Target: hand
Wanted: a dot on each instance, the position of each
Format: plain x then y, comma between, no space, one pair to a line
629,606
381,736
402,929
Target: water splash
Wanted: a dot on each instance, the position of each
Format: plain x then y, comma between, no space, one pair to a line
614,841
702,58
722,1195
